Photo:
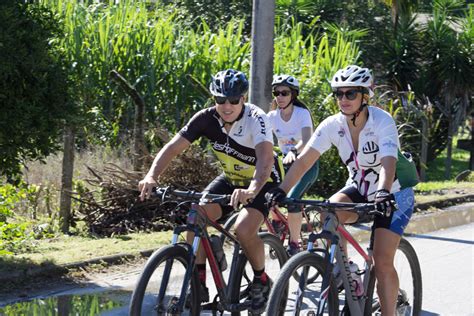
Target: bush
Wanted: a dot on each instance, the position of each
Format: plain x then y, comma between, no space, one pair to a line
32,83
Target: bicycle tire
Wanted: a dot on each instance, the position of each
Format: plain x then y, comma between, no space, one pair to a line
278,302
174,253
229,223
239,290
314,219
411,282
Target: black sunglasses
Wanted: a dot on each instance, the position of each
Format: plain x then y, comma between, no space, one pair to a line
284,93
350,94
232,100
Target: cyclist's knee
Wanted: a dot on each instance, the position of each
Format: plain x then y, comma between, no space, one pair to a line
244,233
383,264
383,269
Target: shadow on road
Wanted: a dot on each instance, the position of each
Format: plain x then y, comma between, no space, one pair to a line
462,241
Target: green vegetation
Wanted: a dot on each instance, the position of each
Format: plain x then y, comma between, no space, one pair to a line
460,162
427,187
63,305
168,52
34,86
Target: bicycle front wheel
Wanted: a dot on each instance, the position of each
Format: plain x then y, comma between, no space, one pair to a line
409,275
159,290
291,296
275,258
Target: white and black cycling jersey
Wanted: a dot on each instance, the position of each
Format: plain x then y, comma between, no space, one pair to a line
235,149
377,139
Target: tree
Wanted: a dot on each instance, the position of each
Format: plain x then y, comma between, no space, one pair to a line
33,85
449,75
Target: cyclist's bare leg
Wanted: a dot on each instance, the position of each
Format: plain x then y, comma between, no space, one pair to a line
294,223
343,216
385,245
214,212
246,229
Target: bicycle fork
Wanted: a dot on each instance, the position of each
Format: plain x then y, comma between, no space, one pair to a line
177,306
329,259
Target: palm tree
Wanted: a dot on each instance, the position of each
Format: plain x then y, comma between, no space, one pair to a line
449,68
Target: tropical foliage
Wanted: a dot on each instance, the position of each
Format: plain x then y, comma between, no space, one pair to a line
33,85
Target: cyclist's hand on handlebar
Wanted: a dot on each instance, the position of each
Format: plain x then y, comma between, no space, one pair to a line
383,202
274,196
241,196
289,158
146,187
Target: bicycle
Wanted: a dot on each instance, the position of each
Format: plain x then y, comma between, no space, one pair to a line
170,271
311,224
320,296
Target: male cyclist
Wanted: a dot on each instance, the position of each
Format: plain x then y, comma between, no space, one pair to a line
241,137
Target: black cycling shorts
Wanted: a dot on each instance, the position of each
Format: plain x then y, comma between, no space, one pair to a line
398,219
220,185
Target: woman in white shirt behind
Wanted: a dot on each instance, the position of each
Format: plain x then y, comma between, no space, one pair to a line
293,127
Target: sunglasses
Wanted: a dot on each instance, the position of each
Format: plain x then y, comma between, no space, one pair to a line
284,93
232,100
350,94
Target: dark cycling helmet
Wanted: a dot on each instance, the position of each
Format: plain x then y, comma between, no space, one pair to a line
286,80
353,76
229,83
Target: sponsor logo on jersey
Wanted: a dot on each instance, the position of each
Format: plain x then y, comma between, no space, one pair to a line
224,148
389,143
341,132
239,132
263,130
370,148
240,167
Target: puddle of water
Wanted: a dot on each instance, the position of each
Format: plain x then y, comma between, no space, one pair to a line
84,304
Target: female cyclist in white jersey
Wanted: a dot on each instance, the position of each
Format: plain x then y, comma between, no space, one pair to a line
367,141
292,125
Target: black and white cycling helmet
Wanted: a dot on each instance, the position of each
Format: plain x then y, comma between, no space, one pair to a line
353,76
286,80
229,83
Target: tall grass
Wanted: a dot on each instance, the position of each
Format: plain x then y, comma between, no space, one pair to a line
169,63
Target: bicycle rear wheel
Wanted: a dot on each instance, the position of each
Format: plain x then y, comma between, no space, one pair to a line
275,258
160,286
301,297
409,299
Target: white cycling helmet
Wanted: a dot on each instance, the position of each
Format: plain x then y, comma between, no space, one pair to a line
286,80
353,76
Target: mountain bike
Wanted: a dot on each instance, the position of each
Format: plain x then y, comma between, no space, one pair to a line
169,283
320,296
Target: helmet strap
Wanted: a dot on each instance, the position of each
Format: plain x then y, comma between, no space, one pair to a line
286,106
356,114
293,97
238,117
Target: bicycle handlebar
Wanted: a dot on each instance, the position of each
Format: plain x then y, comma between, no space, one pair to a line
222,199
360,208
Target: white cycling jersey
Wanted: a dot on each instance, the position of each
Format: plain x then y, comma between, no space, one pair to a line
289,133
378,138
